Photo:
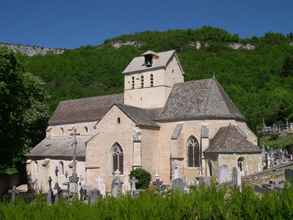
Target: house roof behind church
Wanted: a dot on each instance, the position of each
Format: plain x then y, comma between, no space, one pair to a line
200,99
231,139
59,147
138,63
84,109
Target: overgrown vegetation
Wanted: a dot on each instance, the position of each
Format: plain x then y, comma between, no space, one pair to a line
201,203
259,80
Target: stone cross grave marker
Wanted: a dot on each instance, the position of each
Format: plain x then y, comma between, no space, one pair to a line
13,193
158,183
133,182
74,178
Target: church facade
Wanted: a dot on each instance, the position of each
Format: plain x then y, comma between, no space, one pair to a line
159,123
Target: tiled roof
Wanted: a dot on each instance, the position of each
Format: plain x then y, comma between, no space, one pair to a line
143,117
231,139
59,147
200,99
138,63
84,109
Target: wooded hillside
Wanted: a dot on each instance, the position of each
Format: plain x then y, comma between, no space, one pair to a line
257,72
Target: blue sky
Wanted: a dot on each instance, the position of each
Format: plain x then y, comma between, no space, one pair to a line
72,23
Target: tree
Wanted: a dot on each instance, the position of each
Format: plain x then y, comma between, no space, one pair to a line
23,110
143,177
287,68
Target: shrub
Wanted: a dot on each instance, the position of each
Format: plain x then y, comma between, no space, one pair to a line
143,177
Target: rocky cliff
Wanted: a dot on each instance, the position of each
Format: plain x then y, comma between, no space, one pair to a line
32,50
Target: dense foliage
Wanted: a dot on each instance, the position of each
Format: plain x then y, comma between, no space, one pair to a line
142,176
259,80
23,110
201,203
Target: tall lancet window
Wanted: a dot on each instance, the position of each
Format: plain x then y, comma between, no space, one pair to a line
193,154
117,158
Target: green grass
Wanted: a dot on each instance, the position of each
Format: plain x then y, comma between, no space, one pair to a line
201,203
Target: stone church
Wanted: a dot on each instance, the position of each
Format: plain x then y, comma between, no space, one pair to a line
159,123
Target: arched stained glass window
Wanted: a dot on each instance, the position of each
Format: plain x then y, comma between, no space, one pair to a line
117,158
193,154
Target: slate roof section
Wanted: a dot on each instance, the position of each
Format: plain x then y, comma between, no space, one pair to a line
231,139
137,63
200,99
142,117
84,109
59,147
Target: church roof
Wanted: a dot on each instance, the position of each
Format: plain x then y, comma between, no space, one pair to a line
142,117
200,99
231,139
59,147
84,109
138,63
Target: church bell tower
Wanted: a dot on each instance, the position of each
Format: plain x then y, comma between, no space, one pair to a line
149,78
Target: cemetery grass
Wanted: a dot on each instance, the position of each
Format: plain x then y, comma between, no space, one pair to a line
200,203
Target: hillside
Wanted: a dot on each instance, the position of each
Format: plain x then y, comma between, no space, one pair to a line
251,70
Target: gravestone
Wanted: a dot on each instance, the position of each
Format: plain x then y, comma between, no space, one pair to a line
178,184
158,183
82,193
50,192
101,186
223,174
236,178
93,195
176,172
116,184
57,192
